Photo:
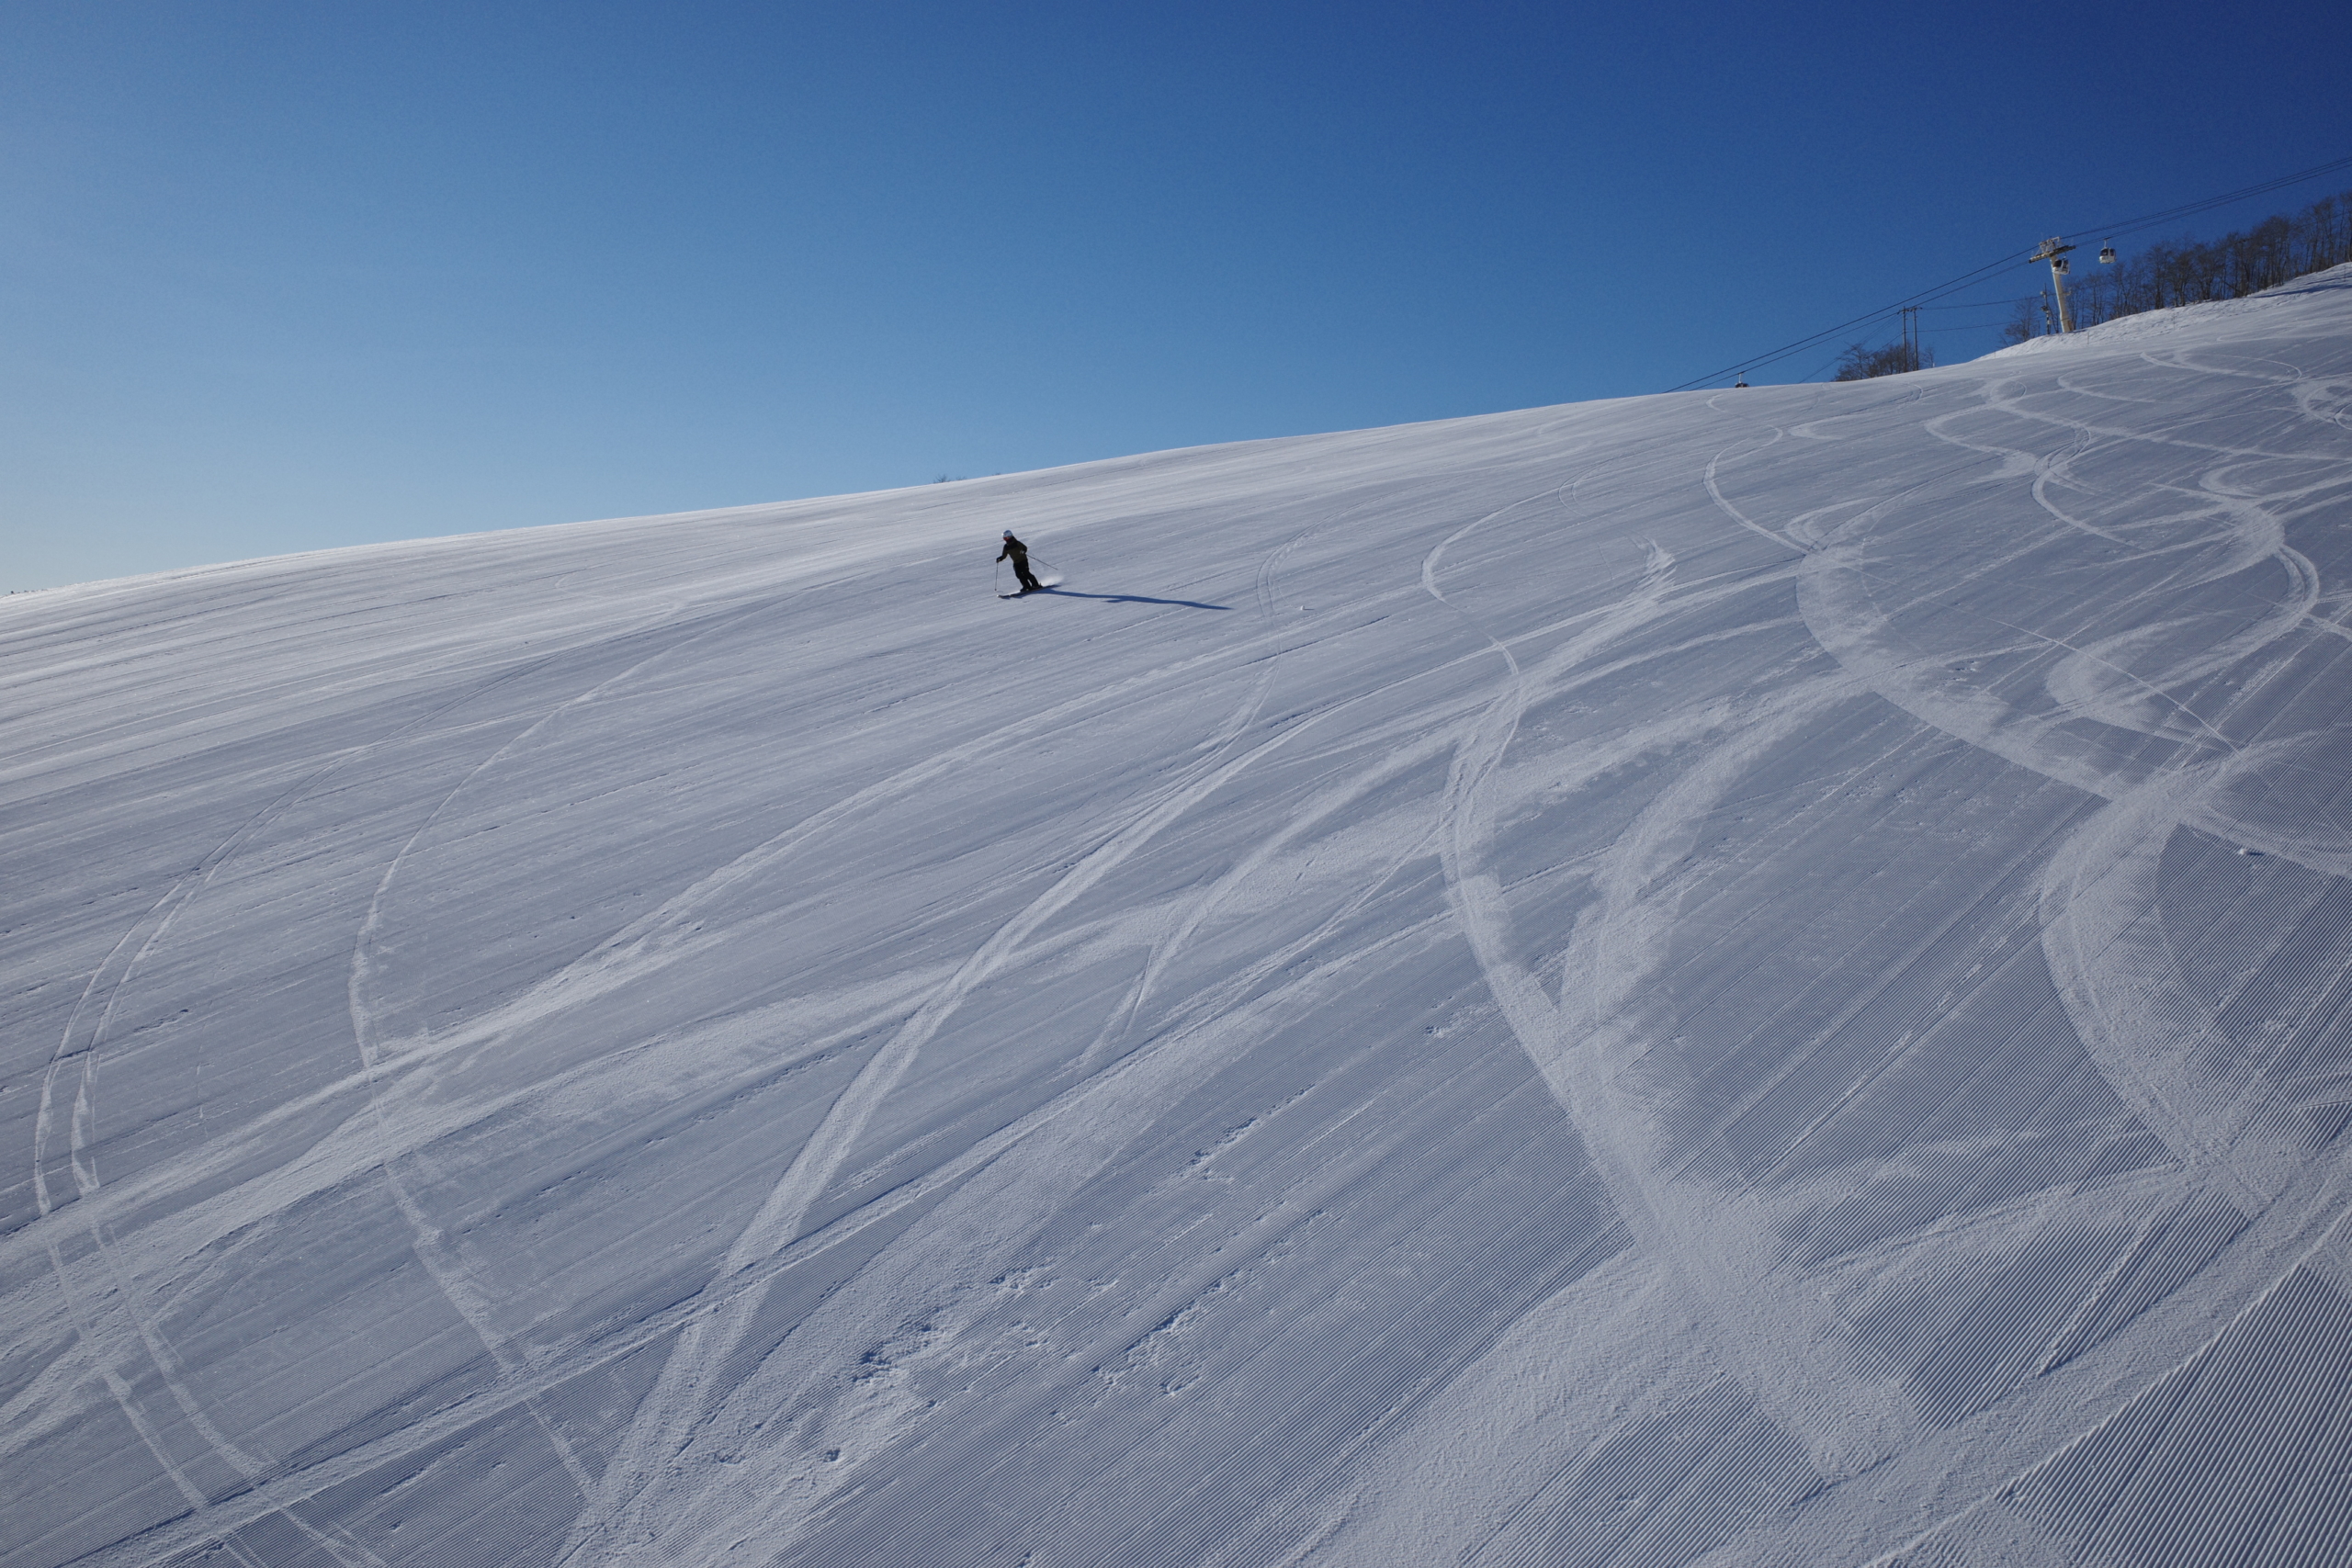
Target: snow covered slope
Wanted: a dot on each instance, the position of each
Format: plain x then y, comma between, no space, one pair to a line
1741,978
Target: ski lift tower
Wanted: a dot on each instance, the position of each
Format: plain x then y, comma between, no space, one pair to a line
2054,252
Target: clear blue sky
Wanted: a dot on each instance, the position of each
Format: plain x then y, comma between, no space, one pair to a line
280,277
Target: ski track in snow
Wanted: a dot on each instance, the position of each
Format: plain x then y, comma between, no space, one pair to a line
1740,978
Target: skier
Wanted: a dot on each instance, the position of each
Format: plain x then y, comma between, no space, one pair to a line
1018,554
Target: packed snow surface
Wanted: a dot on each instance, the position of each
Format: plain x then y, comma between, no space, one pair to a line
1746,979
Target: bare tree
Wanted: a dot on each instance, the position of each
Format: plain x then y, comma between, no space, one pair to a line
2191,272
1860,362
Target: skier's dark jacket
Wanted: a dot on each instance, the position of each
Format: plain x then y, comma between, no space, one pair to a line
1016,551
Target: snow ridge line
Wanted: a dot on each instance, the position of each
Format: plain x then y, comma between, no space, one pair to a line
1897,1219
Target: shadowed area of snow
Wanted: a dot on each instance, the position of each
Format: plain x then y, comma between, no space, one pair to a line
1748,978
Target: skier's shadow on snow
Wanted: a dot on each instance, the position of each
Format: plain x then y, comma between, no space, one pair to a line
1131,599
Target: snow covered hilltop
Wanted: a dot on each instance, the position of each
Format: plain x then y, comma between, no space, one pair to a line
1736,978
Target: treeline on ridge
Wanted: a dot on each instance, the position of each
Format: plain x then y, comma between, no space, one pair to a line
2167,273
2191,272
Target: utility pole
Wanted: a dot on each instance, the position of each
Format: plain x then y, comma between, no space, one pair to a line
1911,349
2054,252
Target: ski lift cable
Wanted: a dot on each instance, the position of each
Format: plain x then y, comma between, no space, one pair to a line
1801,344
2149,219
1941,290
2002,303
